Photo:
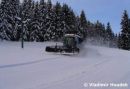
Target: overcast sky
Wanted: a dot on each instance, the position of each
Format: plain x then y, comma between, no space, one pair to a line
102,10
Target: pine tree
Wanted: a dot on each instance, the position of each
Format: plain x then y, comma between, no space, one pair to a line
98,28
1,31
109,35
50,21
43,14
78,25
90,30
13,13
125,31
119,41
49,5
115,41
97,33
35,25
103,34
69,19
59,22
103,31
4,27
83,23
9,25
27,13
129,33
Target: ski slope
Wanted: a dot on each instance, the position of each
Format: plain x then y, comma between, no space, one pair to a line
33,68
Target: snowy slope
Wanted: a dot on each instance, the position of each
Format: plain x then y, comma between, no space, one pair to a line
33,68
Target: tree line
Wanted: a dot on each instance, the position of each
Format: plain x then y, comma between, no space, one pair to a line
43,21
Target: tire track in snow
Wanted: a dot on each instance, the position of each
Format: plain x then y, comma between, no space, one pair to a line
73,76
26,63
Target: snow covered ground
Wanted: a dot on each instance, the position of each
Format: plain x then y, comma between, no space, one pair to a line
33,68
